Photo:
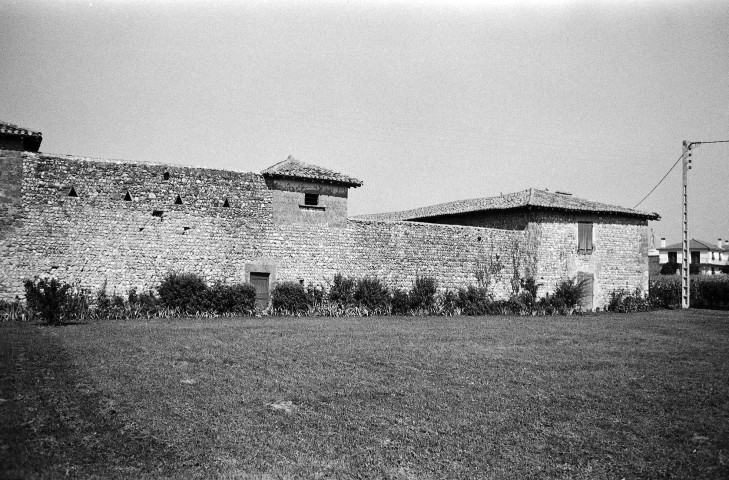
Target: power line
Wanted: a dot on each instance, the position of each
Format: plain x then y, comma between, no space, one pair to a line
715,141
661,181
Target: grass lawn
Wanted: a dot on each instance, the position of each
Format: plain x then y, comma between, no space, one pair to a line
604,396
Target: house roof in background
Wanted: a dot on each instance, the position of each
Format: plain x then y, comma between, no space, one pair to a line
532,197
695,245
12,129
292,168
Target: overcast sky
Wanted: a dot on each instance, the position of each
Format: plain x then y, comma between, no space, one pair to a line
426,102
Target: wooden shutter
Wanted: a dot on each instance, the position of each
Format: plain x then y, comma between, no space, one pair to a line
584,237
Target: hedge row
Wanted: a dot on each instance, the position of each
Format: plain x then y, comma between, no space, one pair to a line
179,294
370,296
187,294
706,291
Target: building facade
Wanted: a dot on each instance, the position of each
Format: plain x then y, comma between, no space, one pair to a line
710,258
125,225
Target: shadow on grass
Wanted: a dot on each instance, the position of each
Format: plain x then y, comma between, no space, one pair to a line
53,423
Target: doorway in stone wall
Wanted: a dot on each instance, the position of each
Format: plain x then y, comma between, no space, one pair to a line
586,281
260,282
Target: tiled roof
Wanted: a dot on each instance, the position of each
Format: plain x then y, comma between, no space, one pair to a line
695,245
292,168
11,129
527,198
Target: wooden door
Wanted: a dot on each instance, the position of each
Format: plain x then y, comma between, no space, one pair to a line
260,283
587,283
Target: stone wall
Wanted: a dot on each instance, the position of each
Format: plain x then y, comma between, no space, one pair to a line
102,235
619,259
289,207
11,201
396,252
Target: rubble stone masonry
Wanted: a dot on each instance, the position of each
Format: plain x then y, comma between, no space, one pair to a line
127,224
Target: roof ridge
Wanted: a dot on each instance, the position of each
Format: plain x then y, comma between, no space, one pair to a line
287,159
294,168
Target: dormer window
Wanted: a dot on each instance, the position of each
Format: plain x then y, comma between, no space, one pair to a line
311,199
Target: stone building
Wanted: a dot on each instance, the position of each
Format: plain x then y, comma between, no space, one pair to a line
127,224
604,246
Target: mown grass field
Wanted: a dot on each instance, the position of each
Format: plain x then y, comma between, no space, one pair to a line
603,396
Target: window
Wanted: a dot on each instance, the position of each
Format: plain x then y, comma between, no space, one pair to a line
584,237
696,257
166,176
311,199
673,257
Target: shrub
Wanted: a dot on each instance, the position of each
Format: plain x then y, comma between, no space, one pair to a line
622,301
400,302
665,291
447,303
185,291
55,302
111,306
222,298
422,296
530,285
315,295
47,298
707,291
373,295
710,292
474,300
694,269
342,290
143,304
567,294
289,298
670,268
522,304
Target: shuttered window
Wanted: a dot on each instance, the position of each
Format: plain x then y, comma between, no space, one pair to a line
584,237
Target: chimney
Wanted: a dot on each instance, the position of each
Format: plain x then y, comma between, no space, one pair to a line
663,242
719,244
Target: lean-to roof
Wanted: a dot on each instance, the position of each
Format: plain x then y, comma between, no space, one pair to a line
530,198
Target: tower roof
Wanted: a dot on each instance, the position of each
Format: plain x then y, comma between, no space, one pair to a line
293,168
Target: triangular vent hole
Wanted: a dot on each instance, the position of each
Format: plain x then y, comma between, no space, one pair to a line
226,203
127,197
72,192
178,200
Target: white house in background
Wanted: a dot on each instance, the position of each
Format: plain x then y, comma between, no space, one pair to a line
710,258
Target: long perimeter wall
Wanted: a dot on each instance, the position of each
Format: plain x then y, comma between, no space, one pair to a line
126,227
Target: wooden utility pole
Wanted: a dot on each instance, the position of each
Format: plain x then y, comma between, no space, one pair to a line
685,261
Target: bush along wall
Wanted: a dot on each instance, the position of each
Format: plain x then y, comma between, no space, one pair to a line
180,294
184,294
366,296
